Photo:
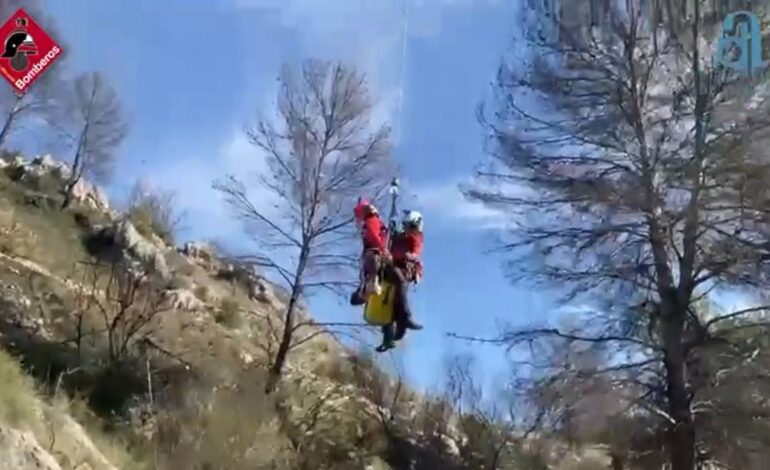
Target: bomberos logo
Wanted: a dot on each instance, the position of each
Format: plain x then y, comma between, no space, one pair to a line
27,51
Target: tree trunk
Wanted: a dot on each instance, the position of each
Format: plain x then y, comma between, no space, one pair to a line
72,182
69,187
681,434
76,172
67,196
276,368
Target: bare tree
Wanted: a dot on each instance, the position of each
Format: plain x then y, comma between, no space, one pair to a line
41,100
387,393
489,435
644,164
321,156
126,305
95,125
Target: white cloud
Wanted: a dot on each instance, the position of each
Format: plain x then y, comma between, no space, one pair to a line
190,175
366,33
370,34
446,205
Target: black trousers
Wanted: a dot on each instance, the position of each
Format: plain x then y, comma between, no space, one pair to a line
402,313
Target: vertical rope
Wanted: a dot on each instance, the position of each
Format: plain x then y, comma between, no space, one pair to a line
404,35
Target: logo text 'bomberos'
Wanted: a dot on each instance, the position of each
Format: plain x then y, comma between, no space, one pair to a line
27,51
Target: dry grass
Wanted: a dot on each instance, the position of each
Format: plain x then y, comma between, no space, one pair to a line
202,293
15,240
54,426
69,422
231,427
18,406
56,243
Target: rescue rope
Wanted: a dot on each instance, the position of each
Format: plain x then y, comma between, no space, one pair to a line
404,37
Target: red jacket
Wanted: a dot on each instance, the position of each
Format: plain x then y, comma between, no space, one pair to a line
407,243
373,233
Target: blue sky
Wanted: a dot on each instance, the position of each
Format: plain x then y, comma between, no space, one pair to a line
193,72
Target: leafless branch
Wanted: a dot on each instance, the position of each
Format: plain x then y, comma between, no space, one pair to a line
322,154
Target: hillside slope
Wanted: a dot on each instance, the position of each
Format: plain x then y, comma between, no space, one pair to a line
146,355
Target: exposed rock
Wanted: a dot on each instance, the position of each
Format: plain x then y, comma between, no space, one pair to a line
183,299
21,450
47,164
17,162
18,316
260,291
42,173
90,195
123,234
13,294
376,463
450,444
234,273
257,287
200,251
47,171
246,357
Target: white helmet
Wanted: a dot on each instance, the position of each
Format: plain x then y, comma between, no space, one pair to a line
413,219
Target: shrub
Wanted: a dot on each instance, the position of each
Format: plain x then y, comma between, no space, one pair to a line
229,313
153,212
82,220
202,293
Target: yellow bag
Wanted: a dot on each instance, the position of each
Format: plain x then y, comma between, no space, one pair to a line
378,310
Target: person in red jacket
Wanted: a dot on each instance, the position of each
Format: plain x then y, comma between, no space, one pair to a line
372,229
404,266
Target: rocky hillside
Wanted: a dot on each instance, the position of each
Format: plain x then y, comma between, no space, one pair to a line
123,351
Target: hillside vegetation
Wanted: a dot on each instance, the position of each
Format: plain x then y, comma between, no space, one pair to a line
139,354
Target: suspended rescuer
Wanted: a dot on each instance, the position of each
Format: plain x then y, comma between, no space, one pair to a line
400,269
373,237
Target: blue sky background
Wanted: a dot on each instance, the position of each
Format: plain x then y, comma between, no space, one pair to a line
193,72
